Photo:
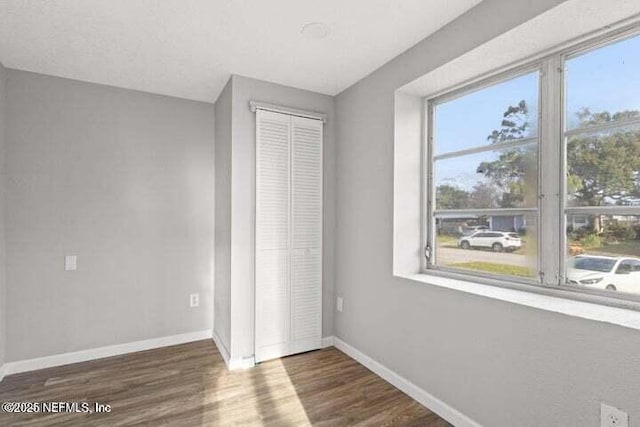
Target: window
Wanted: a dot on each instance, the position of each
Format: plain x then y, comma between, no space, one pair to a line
534,175
628,266
602,146
485,176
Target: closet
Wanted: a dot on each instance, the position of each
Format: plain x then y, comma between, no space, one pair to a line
288,234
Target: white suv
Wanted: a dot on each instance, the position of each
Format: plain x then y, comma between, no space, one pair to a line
498,241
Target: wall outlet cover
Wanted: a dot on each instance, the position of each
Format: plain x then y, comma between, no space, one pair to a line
194,300
339,304
611,416
70,263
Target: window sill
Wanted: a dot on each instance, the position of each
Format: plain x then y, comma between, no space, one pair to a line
542,298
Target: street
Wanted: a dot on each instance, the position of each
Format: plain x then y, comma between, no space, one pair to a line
447,256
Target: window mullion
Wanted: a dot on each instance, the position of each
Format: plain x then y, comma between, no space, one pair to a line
550,169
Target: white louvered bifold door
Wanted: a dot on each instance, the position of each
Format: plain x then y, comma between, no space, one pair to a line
273,302
288,235
306,234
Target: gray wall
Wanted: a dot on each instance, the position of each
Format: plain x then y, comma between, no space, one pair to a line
499,363
125,181
3,177
222,289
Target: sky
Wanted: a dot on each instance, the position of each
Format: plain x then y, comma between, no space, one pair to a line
603,79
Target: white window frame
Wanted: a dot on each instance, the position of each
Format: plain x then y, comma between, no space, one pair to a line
552,198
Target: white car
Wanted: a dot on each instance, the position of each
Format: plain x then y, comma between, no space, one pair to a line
497,241
605,272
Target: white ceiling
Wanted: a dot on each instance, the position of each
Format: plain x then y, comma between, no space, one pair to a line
188,48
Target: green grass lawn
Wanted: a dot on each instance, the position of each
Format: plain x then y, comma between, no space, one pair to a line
488,267
448,241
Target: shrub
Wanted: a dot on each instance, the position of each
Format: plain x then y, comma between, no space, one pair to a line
621,231
591,241
578,233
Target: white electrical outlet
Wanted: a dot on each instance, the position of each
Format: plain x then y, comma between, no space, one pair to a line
70,263
339,304
194,300
613,417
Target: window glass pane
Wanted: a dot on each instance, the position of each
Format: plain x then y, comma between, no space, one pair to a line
604,85
497,244
604,252
604,168
502,112
493,179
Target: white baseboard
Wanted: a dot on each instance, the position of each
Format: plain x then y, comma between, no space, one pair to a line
327,342
431,402
1,373
221,348
235,363
99,353
241,363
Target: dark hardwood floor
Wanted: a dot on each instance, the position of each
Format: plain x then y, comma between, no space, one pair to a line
189,385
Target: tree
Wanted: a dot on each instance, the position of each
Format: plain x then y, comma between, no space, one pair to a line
604,167
513,165
484,196
450,197
515,124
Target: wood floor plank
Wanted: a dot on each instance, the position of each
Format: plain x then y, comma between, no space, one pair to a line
189,385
